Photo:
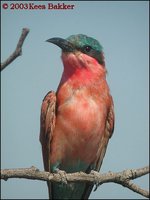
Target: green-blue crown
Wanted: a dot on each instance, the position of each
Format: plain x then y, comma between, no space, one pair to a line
81,40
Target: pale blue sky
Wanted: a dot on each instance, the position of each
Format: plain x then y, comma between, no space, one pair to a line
122,29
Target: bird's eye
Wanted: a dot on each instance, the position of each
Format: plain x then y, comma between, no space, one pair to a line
87,48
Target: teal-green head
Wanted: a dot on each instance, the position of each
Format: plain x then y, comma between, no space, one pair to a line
83,43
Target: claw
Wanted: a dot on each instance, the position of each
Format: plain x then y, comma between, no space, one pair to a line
96,181
62,175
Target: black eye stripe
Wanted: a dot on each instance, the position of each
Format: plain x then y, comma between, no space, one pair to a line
87,48
93,53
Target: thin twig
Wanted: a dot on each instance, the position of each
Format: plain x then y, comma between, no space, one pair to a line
18,50
123,178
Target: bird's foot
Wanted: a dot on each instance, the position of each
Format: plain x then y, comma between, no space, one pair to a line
96,181
62,175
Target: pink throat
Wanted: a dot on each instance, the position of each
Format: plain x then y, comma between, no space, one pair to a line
81,67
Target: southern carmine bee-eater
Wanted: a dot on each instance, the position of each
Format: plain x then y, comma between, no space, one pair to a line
78,120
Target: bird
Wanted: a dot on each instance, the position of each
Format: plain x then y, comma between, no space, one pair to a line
77,120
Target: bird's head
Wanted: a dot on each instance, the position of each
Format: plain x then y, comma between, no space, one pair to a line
80,47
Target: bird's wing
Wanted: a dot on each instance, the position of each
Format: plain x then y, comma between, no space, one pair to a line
107,135
103,145
47,125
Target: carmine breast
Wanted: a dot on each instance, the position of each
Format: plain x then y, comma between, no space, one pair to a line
79,127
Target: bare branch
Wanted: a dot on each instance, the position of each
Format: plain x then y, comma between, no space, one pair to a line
123,178
18,50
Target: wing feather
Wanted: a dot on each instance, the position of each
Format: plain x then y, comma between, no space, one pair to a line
47,125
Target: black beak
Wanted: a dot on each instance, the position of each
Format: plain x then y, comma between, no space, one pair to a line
65,45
